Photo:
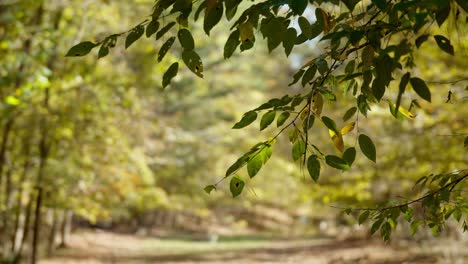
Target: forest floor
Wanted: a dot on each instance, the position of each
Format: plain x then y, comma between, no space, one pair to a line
104,247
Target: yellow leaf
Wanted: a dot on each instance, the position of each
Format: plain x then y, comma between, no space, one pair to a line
246,32
348,128
403,111
317,105
337,140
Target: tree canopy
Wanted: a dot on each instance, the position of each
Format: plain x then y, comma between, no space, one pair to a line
368,54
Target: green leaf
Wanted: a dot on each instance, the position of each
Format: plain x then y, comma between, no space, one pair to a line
170,73
209,188
442,13
165,48
330,124
231,44
186,39
152,28
305,27
313,166
103,51
213,14
309,75
298,149
255,164
282,118
81,49
267,119
401,89
322,66
376,226
385,231
444,44
363,217
349,113
246,120
420,87
193,61
134,35
236,186
297,76
289,40
164,30
421,39
308,123
336,162
381,4
298,6
414,227
231,8
349,155
367,147
378,88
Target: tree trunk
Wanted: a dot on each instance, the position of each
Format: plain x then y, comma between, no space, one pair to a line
65,228
52,234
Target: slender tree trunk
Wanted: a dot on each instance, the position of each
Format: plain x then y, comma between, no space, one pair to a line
27,221
19,198
65,228
52,234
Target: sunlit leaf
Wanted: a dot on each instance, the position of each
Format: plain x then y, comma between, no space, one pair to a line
298,149
209,188
282,118
317,104
348,128
337,139
267,119
236,186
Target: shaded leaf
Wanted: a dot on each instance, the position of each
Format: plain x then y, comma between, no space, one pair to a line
246,120
289,40
213,14
165,48
164,30
336,162
231,44
317,104
81,49
363,217
134,35
420,87
313,167
421,39
349,113
330,124
193,61
444,44
152,28
367,147
170,73
186,39
298,6
349,155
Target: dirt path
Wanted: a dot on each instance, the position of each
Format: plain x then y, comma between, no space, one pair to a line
103,247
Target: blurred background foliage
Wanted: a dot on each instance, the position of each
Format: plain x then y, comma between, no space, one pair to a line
124,153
